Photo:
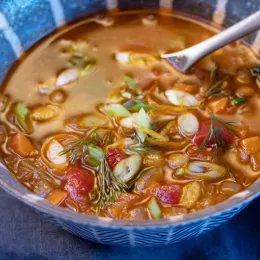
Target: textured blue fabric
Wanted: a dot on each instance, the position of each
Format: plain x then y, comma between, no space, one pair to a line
26,235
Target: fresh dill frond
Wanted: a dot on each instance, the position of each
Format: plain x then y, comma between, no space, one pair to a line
218,133
108,186
79,146
141,148
215,88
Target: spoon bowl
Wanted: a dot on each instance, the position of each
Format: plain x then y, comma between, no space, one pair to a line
184,59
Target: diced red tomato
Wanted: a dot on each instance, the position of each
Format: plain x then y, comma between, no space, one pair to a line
79,182
203,133
168,194
114,155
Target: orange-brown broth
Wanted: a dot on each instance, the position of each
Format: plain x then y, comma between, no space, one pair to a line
83,95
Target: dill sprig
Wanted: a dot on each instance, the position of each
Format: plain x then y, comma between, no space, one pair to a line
215,87
217,133
79,146
141,148
108,186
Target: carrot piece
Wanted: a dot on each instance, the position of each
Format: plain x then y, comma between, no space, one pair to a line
218,105
251,145
21,145
57,197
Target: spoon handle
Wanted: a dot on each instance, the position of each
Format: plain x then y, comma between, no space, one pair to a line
183,60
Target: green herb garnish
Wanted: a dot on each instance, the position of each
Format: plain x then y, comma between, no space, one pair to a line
236,100
142,148
218,133
80,147
215,87
108,187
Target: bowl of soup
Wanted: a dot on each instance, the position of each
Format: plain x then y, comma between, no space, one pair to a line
108,140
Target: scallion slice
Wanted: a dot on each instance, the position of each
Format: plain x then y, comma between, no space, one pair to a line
116,110
142,121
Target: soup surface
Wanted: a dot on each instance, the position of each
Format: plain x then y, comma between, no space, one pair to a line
93,120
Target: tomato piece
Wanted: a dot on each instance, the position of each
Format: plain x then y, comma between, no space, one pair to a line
203,131
114,155
79,182
168,194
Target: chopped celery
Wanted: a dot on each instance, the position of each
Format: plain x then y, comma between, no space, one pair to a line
142,120
154,208
136,105
117,110
130,82
21,112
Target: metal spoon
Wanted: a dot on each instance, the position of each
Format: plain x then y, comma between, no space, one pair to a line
183,60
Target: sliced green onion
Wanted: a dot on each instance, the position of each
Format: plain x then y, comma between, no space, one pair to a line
87,68
203,170
92,162
21,112
154,209
136,105
116,110
95,155
142,121
95,152
130,82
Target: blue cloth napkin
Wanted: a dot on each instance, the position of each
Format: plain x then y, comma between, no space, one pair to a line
24,234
